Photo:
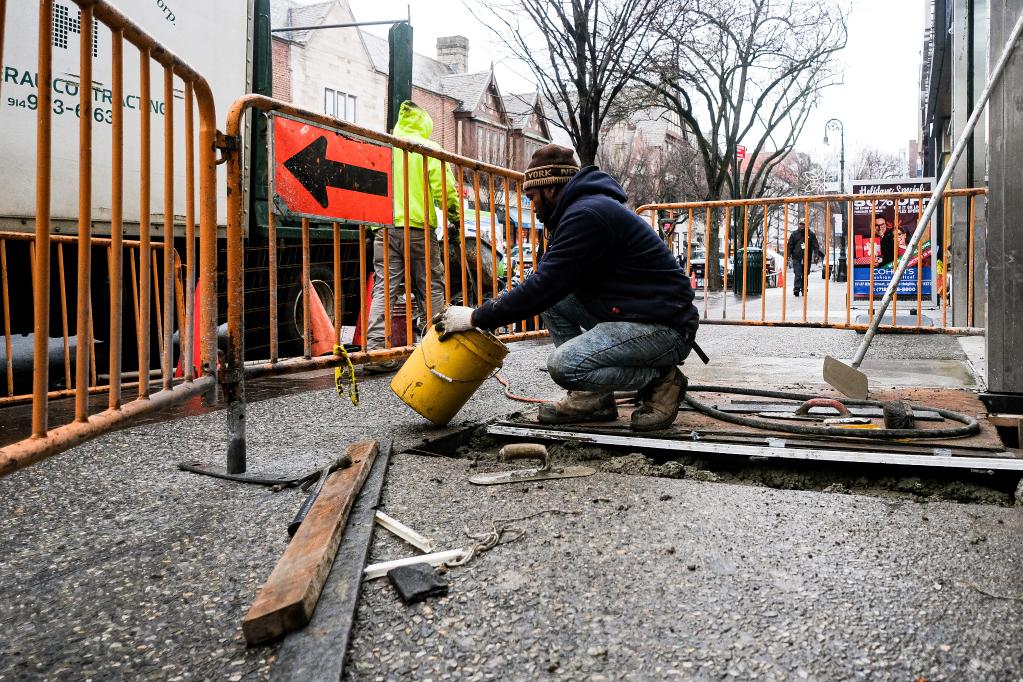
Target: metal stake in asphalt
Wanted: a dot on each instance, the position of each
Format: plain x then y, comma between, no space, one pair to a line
848,379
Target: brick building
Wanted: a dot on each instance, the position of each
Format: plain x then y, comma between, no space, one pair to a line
529,127
343,73
327,70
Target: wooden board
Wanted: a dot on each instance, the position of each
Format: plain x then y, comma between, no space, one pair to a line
288,598
317,651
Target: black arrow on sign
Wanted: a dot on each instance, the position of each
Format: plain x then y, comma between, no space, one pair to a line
316,172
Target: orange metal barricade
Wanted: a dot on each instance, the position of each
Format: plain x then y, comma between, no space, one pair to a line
62,244
472,275
46,439
826,304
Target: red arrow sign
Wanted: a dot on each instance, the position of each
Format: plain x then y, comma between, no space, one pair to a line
740,151
324,174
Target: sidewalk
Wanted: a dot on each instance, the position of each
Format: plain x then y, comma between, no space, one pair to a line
116,564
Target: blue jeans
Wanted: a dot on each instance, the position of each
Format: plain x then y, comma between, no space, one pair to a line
591,355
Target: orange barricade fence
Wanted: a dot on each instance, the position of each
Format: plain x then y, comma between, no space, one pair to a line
162,283
275,323
493,242
758,266
17,263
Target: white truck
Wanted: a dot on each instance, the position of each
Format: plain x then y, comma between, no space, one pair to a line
214,37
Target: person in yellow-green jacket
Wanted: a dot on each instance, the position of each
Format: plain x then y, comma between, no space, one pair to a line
414,124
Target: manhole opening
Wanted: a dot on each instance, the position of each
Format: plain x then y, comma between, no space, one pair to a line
915,484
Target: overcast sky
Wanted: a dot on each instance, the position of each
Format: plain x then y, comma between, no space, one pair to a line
878,101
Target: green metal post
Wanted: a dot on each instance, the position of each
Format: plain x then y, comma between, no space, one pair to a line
262,84
399,81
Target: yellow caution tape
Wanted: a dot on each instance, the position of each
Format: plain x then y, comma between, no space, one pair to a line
344,377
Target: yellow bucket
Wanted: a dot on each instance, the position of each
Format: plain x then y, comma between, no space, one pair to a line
440,376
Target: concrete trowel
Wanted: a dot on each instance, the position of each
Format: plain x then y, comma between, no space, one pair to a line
542,473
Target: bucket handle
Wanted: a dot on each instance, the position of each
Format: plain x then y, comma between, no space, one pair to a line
444,377
439,375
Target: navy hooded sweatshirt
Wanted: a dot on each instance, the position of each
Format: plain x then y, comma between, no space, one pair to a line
605,254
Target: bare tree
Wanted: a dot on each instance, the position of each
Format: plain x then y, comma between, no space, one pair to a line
650,173
747,72
679,176
874,164
582,53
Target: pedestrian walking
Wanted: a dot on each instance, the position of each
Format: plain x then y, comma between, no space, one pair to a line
796,244
414,124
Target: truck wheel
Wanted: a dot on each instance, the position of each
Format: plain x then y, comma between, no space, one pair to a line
290,315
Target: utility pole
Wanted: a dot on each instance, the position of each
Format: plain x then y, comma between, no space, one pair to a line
399,81
740,155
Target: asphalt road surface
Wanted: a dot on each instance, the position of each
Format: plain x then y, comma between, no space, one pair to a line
114,564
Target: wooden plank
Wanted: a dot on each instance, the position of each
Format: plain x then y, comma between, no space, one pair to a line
317,652
288,598
1009,421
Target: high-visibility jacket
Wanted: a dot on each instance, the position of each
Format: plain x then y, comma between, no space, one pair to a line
415,124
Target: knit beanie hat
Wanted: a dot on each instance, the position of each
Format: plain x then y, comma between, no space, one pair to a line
551,165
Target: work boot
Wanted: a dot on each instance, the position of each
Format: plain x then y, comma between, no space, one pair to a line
659,401
382,367
580,406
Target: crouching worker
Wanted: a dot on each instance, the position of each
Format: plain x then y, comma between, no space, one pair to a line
617,305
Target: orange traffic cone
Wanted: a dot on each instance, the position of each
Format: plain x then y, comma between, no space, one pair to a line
357,338
323,330
196,339
692,281
781,279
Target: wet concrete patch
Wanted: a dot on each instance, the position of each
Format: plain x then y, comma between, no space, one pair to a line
910,484
652,578
882,372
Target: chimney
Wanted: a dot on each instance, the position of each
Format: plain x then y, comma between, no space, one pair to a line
453,52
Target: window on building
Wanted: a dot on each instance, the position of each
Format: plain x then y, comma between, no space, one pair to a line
491,145
340,105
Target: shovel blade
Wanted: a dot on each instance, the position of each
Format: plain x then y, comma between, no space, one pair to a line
850,381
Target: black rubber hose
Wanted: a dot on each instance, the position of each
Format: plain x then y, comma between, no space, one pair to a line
969,428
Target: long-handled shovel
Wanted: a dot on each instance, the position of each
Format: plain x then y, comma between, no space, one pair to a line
848,378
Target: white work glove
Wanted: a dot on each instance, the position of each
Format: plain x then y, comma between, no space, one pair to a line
454,319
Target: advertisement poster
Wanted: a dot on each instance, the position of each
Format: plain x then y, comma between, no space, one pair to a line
881,229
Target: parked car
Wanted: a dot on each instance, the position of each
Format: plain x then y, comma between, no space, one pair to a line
526,256
700,256
698,264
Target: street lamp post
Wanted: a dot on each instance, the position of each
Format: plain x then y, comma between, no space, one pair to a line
835,124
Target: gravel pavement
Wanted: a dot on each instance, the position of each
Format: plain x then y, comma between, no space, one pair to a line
114,564
655,578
